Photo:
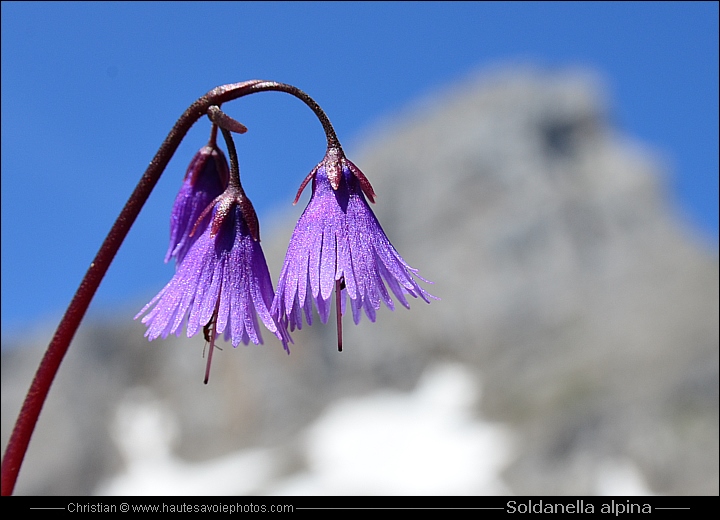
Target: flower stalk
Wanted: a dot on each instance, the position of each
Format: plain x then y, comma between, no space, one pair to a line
40,386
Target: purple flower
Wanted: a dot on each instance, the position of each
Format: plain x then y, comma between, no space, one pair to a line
222,284
206,178
339,244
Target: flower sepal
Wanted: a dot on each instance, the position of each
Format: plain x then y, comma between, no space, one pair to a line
224,204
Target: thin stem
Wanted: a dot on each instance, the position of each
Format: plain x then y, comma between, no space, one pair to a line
234,165
234,187
40,386
212,142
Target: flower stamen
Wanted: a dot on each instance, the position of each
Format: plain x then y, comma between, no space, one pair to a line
210,332
339,286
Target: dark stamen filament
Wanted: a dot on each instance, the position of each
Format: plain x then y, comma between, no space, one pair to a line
210,353
338,313
211,327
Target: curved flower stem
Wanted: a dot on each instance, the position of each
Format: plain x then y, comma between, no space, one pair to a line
32,406
330,134
232,91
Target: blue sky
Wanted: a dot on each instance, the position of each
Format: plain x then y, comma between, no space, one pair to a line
90,90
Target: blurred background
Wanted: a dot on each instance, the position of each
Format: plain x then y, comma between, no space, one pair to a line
552,167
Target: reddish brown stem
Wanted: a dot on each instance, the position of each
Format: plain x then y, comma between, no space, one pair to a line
35,399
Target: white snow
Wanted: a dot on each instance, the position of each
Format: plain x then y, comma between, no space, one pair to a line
427,442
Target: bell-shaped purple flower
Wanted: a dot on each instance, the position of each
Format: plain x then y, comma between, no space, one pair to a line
206,178
338,244
222,285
